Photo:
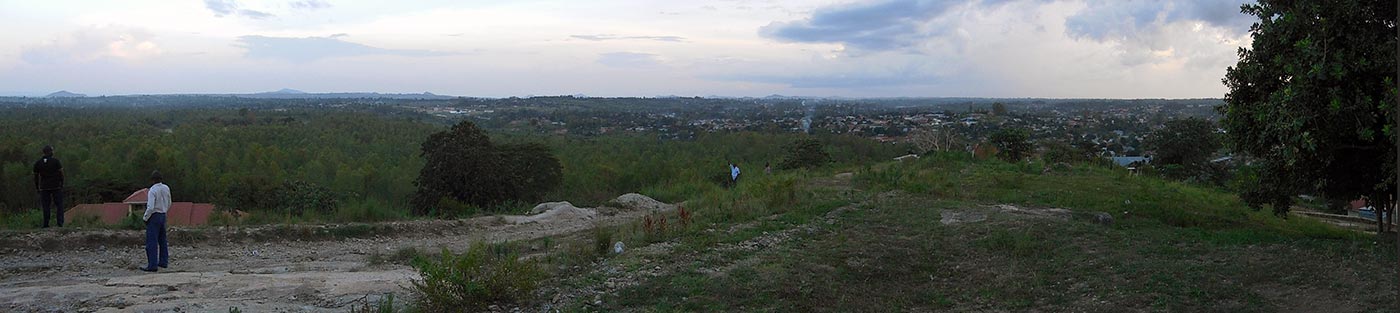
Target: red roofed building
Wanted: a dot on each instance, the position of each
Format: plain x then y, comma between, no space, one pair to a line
180,213
107,213
138,197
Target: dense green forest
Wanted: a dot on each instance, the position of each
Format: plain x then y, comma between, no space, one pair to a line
237,157
205,153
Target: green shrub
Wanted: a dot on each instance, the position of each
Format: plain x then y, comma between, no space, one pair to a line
1013,144
21,220
84,221
384,305
602,241
134,222
463,164
473,280
805,153
298,197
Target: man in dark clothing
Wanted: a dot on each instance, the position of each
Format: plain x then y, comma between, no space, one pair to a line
48,179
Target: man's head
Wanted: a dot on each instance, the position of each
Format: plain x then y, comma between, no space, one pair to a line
48,151
155,176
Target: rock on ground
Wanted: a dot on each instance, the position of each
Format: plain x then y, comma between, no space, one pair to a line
635,201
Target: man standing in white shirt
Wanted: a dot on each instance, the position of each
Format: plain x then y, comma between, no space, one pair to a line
157,203
734,173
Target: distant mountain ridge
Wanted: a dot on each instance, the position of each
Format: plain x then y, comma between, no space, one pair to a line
65,94
283,91
288,93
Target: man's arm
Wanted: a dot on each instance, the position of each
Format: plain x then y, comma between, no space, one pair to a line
150,203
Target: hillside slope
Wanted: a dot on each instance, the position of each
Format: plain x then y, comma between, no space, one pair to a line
947,234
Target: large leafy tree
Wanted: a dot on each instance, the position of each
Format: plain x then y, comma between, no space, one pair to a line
1185,145
463,165
1312,100
1013,144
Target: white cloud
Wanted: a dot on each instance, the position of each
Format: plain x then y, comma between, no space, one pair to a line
93,43
632,60
308,49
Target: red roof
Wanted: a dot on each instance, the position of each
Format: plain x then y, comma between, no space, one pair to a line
1358,203
138,197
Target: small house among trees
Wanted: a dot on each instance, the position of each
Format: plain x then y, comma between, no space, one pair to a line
181,213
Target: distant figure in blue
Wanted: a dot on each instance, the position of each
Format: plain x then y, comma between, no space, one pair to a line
734,173
157,203
48,180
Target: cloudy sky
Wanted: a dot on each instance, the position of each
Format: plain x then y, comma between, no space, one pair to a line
879,48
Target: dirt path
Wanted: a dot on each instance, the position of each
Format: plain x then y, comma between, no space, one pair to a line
276,273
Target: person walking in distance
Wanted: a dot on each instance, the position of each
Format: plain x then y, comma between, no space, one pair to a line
157,203
734,173
48,180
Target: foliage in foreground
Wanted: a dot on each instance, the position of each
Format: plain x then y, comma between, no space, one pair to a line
473,280
1312,100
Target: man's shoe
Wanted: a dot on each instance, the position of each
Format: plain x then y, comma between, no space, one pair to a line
147,269
164,265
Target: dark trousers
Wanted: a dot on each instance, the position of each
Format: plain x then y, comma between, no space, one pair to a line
51,199
155,236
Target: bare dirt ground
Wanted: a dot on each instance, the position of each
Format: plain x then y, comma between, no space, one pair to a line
258,269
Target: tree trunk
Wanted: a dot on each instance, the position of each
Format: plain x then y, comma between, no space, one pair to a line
1397,144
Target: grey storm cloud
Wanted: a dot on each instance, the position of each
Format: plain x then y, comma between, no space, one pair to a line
1117,19
308,49
602,37
222,8
255,14
887,25
310,5
856,80
884,25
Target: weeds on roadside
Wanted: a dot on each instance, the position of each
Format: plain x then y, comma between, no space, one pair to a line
384,305
654,227
602,239
473,280
404,255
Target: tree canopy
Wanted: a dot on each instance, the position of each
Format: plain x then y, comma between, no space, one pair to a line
1013,144
1184,146
1312,100
465,166
805,153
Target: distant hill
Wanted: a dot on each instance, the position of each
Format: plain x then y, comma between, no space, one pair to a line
65,94
283,91
286,93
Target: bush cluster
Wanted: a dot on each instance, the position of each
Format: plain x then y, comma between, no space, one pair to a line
473,280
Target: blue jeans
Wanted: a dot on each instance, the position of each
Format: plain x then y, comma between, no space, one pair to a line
155,235
49,199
